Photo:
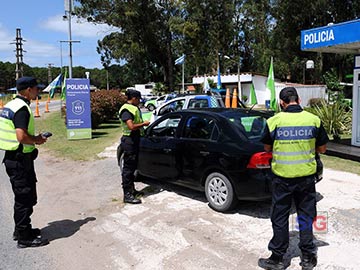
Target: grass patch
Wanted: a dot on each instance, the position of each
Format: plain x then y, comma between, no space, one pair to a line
60,146
340,164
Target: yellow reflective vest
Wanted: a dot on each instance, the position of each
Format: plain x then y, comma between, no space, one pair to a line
8,139
294,136
137,118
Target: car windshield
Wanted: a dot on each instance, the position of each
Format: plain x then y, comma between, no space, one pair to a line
253,126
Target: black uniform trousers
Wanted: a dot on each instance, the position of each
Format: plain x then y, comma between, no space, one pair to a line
302,191
23,182
130,147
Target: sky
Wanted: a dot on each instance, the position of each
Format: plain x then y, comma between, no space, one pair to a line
42,26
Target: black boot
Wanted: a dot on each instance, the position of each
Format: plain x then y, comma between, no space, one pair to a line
34,233
308,262
32,242
272,263
137,193
130,198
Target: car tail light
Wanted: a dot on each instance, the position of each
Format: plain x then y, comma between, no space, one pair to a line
260,160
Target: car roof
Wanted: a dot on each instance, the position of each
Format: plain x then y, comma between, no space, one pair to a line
222,110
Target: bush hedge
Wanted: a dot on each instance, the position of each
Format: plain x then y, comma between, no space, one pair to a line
105,105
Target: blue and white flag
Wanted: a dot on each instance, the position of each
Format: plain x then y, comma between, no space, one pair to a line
180,60
53,85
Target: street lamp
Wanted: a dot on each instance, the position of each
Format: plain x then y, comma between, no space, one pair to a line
68,13
309,64
238,73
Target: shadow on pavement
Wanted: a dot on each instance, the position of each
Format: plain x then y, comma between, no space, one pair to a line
63,228
258,209
294,250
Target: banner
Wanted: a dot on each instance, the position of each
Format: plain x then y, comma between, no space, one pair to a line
78,111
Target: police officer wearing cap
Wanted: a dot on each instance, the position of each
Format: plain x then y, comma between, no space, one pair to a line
294,136
133,128
18,139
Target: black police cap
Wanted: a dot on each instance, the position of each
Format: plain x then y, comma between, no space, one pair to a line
130,93
25,82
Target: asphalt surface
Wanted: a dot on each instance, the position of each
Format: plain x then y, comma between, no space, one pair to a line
12,258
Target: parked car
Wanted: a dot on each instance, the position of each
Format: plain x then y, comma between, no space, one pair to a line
187,102
216,150
152,104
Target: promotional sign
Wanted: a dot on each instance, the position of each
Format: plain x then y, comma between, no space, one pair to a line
78,111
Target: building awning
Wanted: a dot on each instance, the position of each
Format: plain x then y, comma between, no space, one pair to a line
332,38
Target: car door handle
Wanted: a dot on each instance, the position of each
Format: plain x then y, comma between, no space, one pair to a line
167,150
204,153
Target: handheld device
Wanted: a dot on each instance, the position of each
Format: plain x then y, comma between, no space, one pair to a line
46,134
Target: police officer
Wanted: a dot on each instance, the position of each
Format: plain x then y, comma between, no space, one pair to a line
294,136
17,138
133,128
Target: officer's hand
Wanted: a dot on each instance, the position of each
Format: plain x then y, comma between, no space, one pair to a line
146,123
39,139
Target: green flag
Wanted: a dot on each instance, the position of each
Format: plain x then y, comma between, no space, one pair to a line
253,99
63,88
270,86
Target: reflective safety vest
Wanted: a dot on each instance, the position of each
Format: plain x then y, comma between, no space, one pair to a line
294,136
137,118
8,139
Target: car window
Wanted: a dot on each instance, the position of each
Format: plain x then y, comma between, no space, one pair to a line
198,103
166,127
252,126
172,106
199,127
161,98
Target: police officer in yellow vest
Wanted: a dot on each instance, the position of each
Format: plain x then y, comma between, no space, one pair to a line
133,128
17,138
294,136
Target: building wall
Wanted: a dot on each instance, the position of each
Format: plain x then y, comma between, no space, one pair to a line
306,92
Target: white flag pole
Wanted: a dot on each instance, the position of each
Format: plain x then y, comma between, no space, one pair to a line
183,88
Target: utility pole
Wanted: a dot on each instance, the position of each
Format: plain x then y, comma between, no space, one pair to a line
49,72
19,69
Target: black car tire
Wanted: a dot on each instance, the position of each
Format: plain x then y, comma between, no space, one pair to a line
150,107
220,192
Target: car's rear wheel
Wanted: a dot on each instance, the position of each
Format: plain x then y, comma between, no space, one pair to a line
150,107
220,192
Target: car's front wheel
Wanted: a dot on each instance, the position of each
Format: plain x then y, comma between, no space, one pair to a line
220,192
150,107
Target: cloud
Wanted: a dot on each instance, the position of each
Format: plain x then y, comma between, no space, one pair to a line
5,40
79,27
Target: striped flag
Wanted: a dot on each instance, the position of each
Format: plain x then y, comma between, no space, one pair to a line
270,86
53,85
180,60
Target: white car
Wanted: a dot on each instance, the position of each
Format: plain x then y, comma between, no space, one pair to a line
187,102
152,104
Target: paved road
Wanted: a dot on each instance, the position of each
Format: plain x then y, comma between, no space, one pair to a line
54,105
12,258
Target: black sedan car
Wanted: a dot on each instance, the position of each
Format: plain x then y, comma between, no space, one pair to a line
216,150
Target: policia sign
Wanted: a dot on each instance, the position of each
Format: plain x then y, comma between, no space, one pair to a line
78,111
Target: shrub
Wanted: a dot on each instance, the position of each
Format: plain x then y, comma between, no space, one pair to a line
336,117
104,105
